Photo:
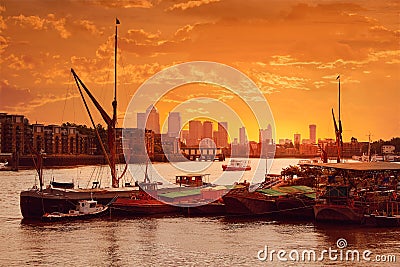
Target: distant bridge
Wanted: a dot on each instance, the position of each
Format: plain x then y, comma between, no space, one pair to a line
203,153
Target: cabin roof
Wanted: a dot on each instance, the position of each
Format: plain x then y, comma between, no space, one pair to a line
358,166
183,193
286,190
192,175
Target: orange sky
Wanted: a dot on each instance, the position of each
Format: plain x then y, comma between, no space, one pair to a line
292,50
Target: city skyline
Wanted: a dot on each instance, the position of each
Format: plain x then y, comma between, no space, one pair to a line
264,134
295,70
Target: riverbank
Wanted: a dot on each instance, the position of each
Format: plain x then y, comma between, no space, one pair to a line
56,161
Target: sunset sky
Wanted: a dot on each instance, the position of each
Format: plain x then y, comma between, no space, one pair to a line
292,50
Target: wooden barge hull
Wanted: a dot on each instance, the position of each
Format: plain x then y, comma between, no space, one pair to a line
34,203
338,213
295,208
211,209
133,207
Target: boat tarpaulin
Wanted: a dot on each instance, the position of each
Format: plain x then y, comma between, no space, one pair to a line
272,192
311,195
179,194
358,166
288,189
303,188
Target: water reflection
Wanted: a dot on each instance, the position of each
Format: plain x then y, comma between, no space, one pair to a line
110,236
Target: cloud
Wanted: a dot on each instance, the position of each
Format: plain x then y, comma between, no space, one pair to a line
38,23
288,60
142,37
191,4
3,45
20,62
34,22
376,56
89,26
143,43
183,33
12,97
347,79
137,74
201,111
319,84
269,82
119,3
3,25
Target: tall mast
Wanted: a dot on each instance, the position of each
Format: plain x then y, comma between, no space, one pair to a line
111,128
111,122
338,78
369,147
114,104
339,130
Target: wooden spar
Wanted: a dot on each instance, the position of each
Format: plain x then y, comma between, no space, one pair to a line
338,129
340,124
337,137
91,118
40,169
38,165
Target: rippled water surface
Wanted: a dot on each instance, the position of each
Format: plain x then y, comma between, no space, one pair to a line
169,241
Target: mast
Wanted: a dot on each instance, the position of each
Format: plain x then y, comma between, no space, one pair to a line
111,122
338,130
338,78
369,147
340,125
111,129
114,104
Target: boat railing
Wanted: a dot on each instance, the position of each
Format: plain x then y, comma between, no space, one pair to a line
386,208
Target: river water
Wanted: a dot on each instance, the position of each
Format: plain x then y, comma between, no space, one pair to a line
178,240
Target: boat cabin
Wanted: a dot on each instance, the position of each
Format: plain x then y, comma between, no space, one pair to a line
237,165
62,185
193,180
86,207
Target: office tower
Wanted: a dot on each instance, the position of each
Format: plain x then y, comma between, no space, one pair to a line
297,140
207,129
221,139
195,133
313,133
153,120
242,136
265,135
174,124
141,120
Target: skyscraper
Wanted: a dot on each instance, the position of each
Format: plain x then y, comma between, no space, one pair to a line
207,129
195,133
265,135
242,136
222,137
297,140
174,124
313,133
153,120
141,120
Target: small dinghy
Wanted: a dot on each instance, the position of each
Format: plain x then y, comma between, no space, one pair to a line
86,209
